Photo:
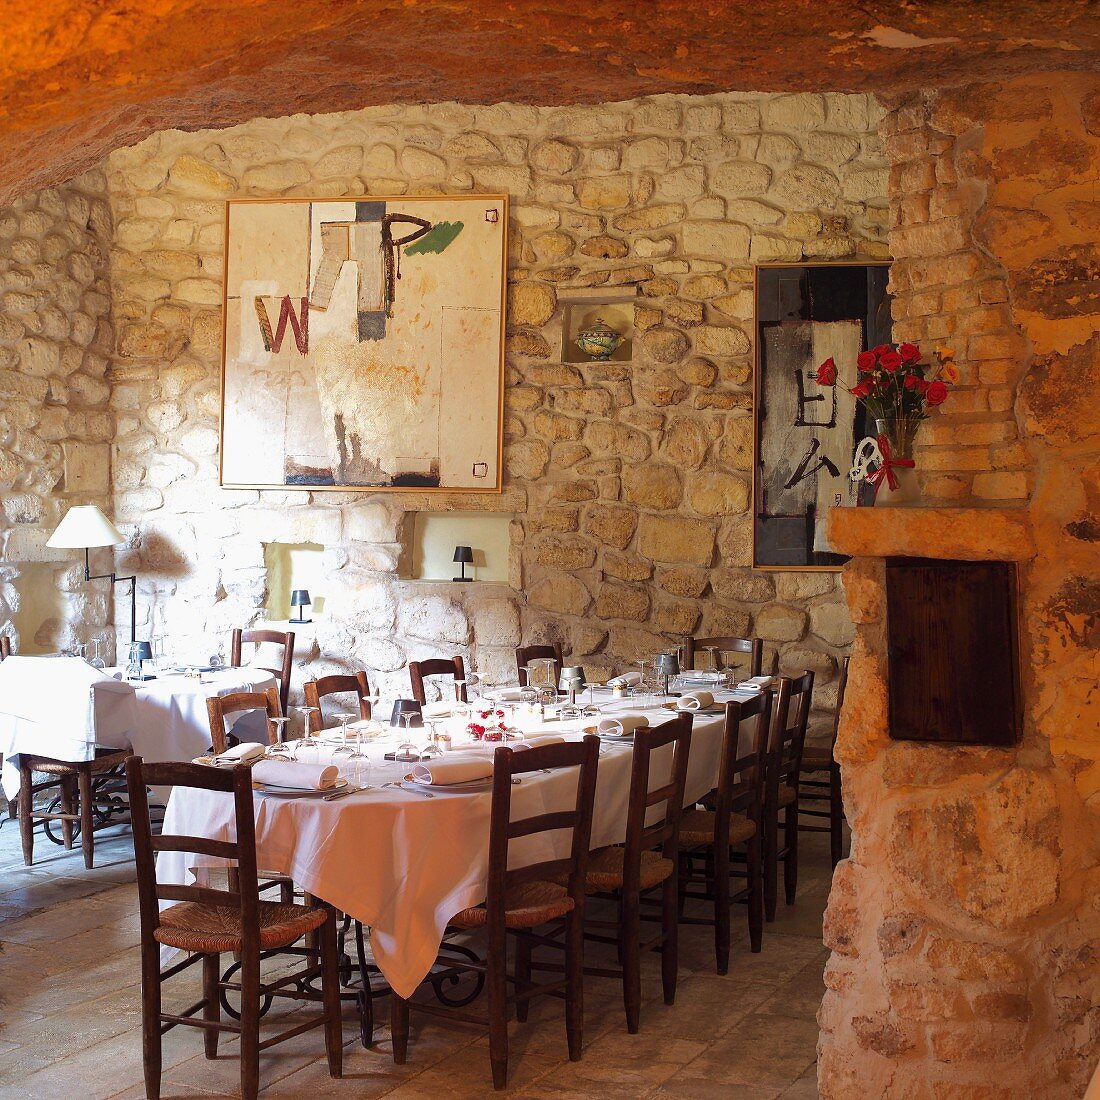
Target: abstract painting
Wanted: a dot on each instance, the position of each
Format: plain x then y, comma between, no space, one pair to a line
806,434
363,343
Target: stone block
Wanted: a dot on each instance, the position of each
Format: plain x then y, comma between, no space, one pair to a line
676,539
611,525
652,486
87,468
434,618
530,304
496,622
746,585
780,623
722,240
626,567
563,553
832,623
714,493
561,594
683,581
620,601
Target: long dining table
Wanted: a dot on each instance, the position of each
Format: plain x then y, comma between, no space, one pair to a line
404,861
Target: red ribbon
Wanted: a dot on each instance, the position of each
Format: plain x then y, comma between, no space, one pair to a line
886,471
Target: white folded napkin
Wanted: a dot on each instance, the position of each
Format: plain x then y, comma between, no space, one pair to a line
627,679
508,695
244,753
291,773
623,725
757,683
537,740
441,709
456,768
694,700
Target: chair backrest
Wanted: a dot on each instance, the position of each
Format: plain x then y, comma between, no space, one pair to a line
5,646
526,654
218,706
439,666
752,646
582,755
321,688
665,832
741,777
841,688
236,782
790,717
274,637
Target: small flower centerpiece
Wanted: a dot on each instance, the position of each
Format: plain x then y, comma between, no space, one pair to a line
895,386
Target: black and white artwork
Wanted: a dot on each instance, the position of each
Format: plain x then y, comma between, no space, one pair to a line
807,434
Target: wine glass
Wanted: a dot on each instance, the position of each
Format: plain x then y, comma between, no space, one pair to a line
459,685
97,661
407,750
473,685
431,749
279,725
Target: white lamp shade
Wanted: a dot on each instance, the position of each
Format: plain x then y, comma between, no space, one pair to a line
85,526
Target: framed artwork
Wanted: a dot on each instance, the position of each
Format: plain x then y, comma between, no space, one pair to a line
806,434
363,343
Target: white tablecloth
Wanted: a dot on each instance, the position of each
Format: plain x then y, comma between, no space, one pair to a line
404,864
161,719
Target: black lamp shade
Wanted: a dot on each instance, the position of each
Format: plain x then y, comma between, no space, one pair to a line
464,554
299,597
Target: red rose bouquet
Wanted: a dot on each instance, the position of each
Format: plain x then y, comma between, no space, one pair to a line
895,386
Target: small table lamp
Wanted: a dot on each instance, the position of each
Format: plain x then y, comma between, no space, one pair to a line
85,527
299,599
465,555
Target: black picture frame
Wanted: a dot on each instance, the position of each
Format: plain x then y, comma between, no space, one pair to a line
790,300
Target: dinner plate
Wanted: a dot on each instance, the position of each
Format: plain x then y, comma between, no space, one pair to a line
298,792
469,786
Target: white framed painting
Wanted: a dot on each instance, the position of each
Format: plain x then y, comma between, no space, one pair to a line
363,343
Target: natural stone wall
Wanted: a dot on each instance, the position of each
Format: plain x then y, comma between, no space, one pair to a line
631,482
55,423
964,926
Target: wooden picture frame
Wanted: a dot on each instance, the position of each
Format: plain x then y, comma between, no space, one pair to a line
805,313
363,343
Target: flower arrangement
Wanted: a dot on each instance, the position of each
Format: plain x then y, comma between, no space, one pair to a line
894,385
490,728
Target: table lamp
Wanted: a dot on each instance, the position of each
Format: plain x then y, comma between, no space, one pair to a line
465,555
299,599
667,666
85,527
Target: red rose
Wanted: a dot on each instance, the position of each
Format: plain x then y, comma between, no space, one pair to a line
881,349
826,373
936,393
915,382
865,360
862,390
890,361
909,352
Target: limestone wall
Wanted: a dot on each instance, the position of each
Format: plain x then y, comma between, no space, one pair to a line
55,422
630,482
964,927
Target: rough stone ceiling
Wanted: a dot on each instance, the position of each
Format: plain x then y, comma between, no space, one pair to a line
81,77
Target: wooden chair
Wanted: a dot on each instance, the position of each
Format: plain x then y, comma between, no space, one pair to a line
526,654
752,646
738,810
316,690
520,900
209,923
820,763
78,783
645,863
418,670
276,637
788,734
219,706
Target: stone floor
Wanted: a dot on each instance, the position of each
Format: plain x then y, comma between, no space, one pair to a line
70,1011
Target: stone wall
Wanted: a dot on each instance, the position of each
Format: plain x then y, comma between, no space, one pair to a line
55,423
630,482
964,926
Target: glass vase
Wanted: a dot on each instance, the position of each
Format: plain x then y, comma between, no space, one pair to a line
900,435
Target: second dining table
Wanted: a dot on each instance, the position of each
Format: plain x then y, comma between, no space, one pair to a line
403,861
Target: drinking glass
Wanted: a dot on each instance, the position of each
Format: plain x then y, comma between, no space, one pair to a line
407,750
473,685
279,725
97,661
459,685
431,749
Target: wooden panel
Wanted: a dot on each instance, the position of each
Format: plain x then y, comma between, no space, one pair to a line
953,651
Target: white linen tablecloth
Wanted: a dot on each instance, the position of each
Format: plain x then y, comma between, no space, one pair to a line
404,864
161,719
60,707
